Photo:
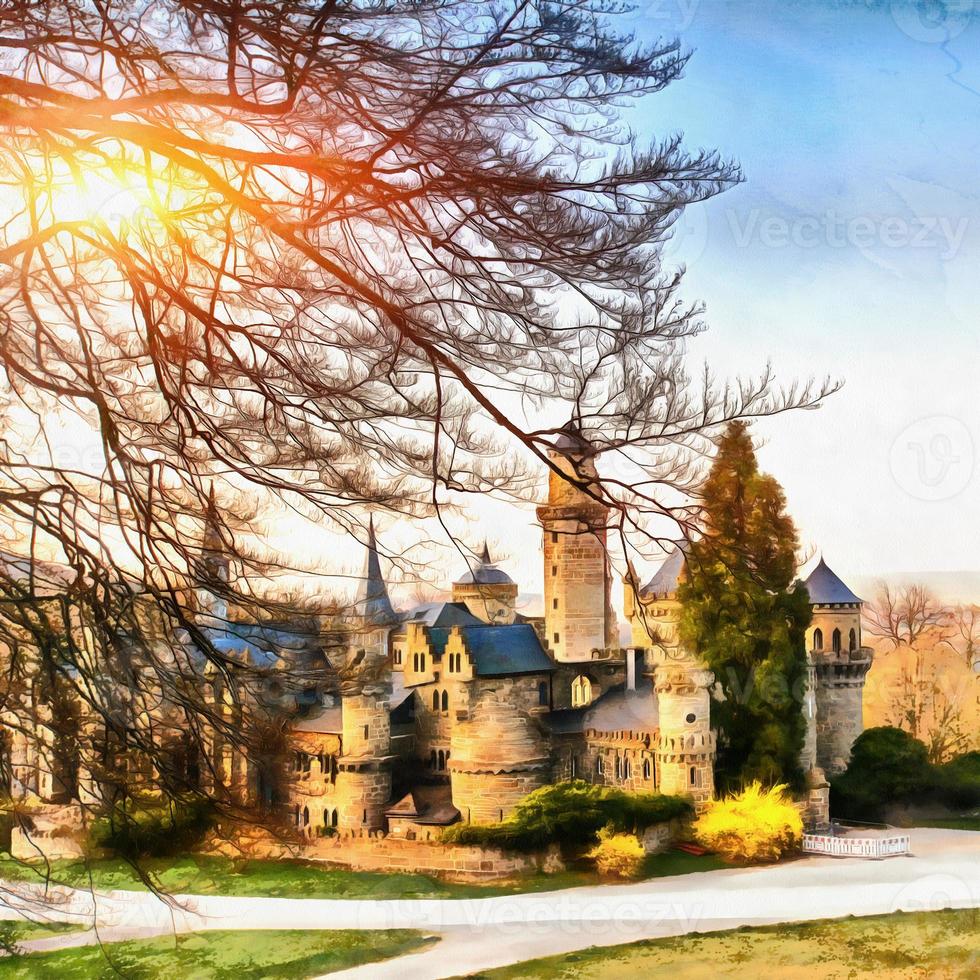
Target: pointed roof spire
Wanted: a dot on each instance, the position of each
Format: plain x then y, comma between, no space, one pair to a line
485,557
373,602
212,541
825,587
667,576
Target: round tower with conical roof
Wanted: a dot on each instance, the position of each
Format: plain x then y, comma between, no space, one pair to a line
488,591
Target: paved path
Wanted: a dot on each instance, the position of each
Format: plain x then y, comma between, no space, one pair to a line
477,934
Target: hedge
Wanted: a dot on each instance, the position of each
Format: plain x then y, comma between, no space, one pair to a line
570,814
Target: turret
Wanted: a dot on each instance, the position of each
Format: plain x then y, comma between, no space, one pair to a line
687,745
840,666
488,592
214,569
577,578
653,611
364,767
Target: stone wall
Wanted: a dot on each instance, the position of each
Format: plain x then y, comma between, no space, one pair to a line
625,759
390,855
312,781
55,833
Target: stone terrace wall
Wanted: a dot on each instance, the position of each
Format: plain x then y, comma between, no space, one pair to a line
375,851
390,854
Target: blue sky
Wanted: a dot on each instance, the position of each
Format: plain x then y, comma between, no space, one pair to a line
851,250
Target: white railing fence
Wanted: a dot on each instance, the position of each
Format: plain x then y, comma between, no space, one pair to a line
870,847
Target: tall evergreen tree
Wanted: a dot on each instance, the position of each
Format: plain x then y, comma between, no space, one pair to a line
745,617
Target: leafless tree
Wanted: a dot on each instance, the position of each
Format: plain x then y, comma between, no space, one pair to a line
904,616
964,632
323,256
912,620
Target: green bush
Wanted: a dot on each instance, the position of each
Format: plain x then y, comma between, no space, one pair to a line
570,814
137,830
888,767
959,782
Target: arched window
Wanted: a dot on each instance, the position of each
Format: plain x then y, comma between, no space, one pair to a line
435,700
627,769
852,641
619,768
445,700
694,776
306,816
581,691
646,768
415,662
442,760
818,639
543,693
598,765
333,819
422,662
574,767
432,759
836,641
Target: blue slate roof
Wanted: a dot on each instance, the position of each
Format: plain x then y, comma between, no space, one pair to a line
497,651
442,614
826,588
485,573
262,646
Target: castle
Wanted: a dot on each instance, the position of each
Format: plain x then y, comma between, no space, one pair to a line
454,711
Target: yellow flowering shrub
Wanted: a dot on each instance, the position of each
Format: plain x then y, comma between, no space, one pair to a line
619,855
751,827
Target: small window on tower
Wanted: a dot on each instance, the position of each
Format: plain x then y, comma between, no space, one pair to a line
554,569
554,537
691,718
557,637
554,603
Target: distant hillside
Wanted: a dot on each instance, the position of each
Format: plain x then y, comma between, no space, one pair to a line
947,586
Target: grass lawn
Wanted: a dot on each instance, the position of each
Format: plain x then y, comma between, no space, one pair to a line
952,823
199,875
205,955
15,930
882,947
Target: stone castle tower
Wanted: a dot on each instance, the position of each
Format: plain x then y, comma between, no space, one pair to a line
687,746
488,591
364,766
499,750
214,571
577,577
840,666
